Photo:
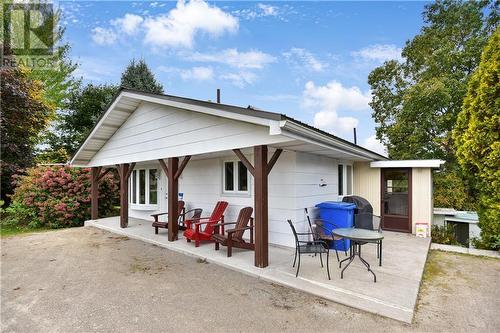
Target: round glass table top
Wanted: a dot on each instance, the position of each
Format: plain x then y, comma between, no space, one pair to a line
358,234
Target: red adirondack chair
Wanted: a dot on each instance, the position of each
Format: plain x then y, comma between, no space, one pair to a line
194,230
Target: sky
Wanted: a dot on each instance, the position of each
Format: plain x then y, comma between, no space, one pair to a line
308,60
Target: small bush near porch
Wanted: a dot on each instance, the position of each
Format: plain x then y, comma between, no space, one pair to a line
444,235
56,197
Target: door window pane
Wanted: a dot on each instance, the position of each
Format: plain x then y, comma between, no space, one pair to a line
134,186
341,179
349,179
242,177
396,192
142,186
229,176
153,187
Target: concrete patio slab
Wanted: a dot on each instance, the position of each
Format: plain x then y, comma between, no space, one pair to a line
394,295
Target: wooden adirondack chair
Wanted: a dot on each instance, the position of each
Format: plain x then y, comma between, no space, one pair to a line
157,224
194,229
234,237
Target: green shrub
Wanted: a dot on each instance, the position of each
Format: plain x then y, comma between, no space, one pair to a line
56,197
444,235
20,215
493,243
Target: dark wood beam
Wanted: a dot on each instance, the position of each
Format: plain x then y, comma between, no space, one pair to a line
94,192
182,166
163,166
123,170
173,198
261,206
273,160
130,169
119,169
104,174
245,161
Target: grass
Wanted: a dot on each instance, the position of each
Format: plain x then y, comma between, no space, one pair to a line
466,254
432,266
432,270
11,230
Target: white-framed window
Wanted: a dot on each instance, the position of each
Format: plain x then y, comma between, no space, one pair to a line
235,178
344,179
143,187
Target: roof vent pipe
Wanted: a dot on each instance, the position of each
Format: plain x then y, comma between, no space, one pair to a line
355,136
218,95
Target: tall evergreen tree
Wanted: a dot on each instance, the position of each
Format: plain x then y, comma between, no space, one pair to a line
477,140
138,76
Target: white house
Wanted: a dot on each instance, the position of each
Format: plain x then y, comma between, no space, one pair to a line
246,157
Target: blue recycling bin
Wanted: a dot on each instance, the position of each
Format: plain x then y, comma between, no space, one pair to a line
342,215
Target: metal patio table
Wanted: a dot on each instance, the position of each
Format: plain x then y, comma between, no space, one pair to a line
357,237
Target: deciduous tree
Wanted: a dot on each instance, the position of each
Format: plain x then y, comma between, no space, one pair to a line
416,102
83,107
25,114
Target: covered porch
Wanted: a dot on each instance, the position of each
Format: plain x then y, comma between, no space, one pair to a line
174,134
394,295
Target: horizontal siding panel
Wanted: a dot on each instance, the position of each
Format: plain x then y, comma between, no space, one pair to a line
257,137
181,136
159,135
154,131
143,109
144,124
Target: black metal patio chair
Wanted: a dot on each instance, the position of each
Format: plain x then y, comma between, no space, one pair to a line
320,232
309,247
369,221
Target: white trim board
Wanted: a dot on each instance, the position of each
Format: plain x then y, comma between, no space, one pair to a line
435,164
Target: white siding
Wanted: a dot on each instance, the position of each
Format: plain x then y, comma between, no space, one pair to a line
293,186
155,131
312,170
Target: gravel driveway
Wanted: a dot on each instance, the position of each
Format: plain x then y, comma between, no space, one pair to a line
85,279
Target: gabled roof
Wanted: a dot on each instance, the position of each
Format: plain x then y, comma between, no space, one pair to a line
127,100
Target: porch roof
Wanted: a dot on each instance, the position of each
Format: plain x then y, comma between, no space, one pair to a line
295,135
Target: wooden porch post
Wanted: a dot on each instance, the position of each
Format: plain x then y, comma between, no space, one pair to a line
95,176
124,170
261,206
260,171
173,198
173,172
94,193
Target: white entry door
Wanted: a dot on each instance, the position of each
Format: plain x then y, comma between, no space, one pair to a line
162,195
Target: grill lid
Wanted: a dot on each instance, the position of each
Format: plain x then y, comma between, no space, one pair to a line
362,205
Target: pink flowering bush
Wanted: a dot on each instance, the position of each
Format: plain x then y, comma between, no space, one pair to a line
56,197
